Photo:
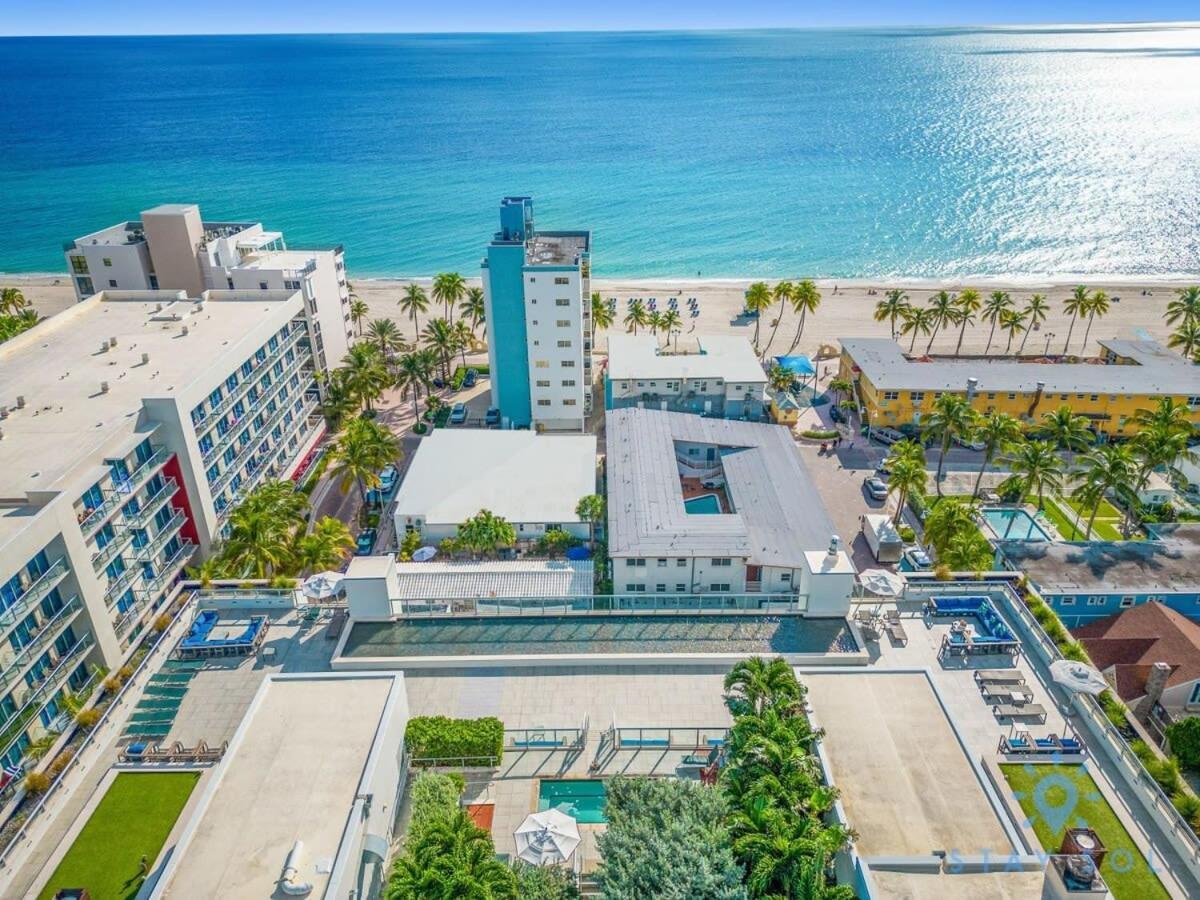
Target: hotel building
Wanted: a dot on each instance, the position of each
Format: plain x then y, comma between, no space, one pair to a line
171,248
895,388
537,288
130,424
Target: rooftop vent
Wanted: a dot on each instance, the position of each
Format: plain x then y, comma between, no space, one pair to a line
184,331
112,342
3,412
145,359
20,401
104,387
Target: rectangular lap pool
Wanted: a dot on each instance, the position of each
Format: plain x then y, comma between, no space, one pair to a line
704,505
1014,525
580,798
648,634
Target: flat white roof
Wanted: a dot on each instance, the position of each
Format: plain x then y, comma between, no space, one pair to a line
280,259
520,475
58,367
291,773
727,357
436,580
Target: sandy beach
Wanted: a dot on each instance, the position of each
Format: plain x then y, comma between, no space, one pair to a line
846,313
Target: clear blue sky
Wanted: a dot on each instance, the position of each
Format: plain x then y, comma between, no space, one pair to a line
56,17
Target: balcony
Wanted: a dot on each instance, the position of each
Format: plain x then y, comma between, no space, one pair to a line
166,575
49,580
122,490
153,504
168,531
248,381
104,556
117,586
256,442
41,639
41,691
266,395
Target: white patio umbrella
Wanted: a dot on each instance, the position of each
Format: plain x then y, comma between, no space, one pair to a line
882,582
1077,677
323,584
424,554
547,837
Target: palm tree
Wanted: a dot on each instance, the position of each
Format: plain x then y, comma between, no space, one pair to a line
1105,468
365,373
414,301
359,453
385,335
439,337
636,317
671,324
968,304
1098,305
1168,414
602,315
1065,430
779,379
451,859
906,463
326,547
997,303
1076,305
758,301
592,509
338,399
462,339
947,521
261,529
916,320
755,684
12,301
997,432
1012,321
1186,307
1186,339
474,307
653,320
782,292
413,374
448,289
943,313
1036,309
358,312
952,417
842,388
805,299
780,850
1036,468
892,307
485,532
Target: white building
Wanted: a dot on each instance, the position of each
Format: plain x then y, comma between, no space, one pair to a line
129,426
537,290
753,521
172,248
534,481
723,378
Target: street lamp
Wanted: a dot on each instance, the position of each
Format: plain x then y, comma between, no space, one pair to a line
1049,338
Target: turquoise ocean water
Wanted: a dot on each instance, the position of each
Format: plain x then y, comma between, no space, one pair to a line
926,153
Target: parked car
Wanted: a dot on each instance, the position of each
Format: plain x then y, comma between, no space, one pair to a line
883,470
916,560
470,378
376,497
886,435
492,417
439,382
876,488
365,542
458,414
836,413
387,478
969,444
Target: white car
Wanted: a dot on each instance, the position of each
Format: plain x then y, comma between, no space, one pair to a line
970,445
886,435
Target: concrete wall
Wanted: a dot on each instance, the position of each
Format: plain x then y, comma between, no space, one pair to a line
508,351
553,318
129,266
664,575
174,235
1075,609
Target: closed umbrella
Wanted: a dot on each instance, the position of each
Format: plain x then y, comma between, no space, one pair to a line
547,838
1077,677
323,584
882,582
424,554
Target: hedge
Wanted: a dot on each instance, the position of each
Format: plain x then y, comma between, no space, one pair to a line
439,737
820,435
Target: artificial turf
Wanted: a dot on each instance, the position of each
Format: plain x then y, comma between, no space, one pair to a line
132,820
1125,869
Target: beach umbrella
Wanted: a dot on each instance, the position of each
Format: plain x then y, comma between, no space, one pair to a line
424,554
1077,677
323,584
882,582
547,838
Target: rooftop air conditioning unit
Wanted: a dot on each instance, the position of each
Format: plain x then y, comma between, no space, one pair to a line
20,401
3,412
145,359
184,331
112,342
104,387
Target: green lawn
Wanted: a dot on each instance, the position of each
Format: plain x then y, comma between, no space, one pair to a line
1061,521
133,819
1105,528
1106,510
1136,881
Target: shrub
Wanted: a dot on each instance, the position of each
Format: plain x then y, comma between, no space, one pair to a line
907,534
1166,773
37,783
87,718
439,737
161,623
1184,739
112,684
125,673
420,428
1188,806
942,572
819,434
1074,650
1115,710
60,762
434,799
544,882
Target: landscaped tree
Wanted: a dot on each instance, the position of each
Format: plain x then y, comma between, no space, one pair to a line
385,336
555,542
592,509
485,533
671,324
1036,467
943,312
892,307
360,452
555,882
906,463
12,301
261,527
1185,308
448,289
997,303
12,325
414,374
951,530
782,851
327,546
1066,431
636,316
757,683
1183,737
338,400
1186,339
916,320
968,303
654,320
413,302
1035,311
952,418
1163,436
758,301
474,307
1105,469
782,293
1013,322
365,374
1097,307
602,315
997,432
439,337
806,299
1075,306
358,312
451,859
462,339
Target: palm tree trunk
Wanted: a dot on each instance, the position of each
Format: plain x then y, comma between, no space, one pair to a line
941,463
799,331
900,501
979,477
962,332
912,345
991,334
1021,349
1069,330
893,326
929,346
1088,331
774,328
1092,518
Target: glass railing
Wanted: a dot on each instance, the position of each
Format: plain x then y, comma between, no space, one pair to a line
104,556
40,692
45,635
34,593
169,529
269,393
122,489
256,442
153,504
118,585
167,573
249,381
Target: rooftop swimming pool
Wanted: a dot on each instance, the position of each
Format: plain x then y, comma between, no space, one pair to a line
1015,525
704,505
580,798
581,635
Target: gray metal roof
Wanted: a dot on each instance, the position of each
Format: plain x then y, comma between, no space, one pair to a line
778,511
1154,370
437,580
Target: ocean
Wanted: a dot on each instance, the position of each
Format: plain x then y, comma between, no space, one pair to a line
844,153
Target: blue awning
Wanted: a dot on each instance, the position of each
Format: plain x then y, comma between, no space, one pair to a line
797,365
578,553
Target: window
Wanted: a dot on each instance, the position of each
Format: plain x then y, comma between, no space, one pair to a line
541,364
992,395
680,587
1195,698
1095,601
1193,401
533,322
543,383
568,363
564,342
569,402
568,382
786,576
918,396
543,403
79,265
718,586
561,279
1126,602
563,323
891,395
112,282
680,563
660,588
635,562
1094,397
722,562
1066,601
662,563
107,262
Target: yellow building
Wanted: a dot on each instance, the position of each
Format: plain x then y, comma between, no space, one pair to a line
897,389
784,409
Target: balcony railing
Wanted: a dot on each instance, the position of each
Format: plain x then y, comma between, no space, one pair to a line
153,504
118,585
104,556
41,691
168,572
270,392
257,441
121,491
48,581
49,630
249,381
169,529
